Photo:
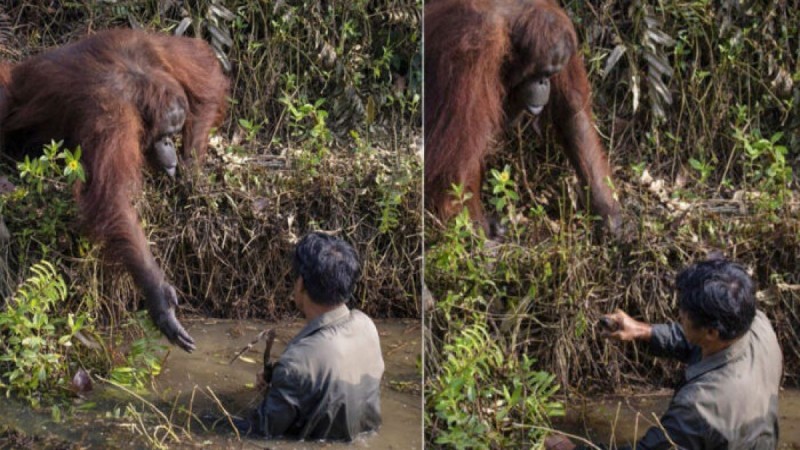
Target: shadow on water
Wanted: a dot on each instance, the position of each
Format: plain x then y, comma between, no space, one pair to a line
204,382
622,420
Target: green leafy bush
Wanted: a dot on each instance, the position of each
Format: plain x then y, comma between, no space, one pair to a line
143,359
36,338
485,397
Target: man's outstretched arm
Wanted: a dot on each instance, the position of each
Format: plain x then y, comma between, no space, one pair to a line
665,340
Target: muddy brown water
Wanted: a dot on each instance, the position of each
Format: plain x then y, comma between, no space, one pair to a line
205,382
622,420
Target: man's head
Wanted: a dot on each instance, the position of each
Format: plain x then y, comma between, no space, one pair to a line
326,269
717,298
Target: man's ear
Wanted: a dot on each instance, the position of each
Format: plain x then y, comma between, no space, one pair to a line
712,334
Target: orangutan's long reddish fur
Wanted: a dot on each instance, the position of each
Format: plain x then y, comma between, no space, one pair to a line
471,57
106,93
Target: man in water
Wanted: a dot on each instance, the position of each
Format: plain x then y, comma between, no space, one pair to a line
326,385
729,395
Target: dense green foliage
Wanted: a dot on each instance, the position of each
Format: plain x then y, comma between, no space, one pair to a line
36,341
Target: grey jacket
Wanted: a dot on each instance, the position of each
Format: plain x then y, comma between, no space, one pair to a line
726,401
326,385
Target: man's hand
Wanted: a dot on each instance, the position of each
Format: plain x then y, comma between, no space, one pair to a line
558,442
624,328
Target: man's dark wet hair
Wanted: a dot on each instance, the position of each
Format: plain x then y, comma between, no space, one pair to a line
329,267
718,294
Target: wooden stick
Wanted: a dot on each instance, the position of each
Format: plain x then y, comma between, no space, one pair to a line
271,337
268,349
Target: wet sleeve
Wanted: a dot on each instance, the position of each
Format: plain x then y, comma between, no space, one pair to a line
280,408
669,341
